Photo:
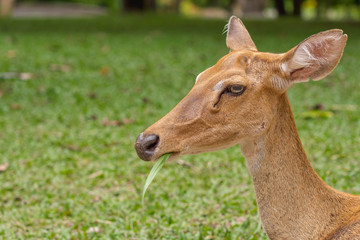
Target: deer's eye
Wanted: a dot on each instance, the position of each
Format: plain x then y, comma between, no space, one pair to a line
235,90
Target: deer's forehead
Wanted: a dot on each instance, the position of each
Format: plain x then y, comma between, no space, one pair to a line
246,64
234,60
230,63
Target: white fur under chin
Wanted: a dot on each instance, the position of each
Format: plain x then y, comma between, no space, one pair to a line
254,154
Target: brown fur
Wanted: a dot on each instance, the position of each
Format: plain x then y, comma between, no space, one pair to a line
293,201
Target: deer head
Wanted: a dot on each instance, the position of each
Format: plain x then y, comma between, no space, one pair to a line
235,100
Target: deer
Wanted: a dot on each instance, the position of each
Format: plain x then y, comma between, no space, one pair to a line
243,100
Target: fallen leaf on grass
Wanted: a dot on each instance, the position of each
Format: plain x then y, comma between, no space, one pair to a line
92,95
103,221
15,106
92,117
104,71
60,67
316,114
237,221
183,163
112,144
16,75
145,100
4,167
25,76
350,108
1,93
8,75
318,106
71,147
17,199
240,220
125,121
96,174
211,237
11,53
96,199
68,223
93,230
107,122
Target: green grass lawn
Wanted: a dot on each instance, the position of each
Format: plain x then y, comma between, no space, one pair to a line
68,133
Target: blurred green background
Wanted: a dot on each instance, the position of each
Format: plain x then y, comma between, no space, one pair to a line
76,88
305,9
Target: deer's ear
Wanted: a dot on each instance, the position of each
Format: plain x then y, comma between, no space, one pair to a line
238,38
315,57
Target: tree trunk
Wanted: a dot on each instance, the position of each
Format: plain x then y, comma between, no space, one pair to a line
6,7
280,7
176,6
150,5
139,5
297,8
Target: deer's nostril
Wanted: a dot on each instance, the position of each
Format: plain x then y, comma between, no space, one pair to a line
145,146
151,142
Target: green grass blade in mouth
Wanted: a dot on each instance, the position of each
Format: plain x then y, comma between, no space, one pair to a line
154,171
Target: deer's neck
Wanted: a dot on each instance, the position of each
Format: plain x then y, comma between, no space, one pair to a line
293,201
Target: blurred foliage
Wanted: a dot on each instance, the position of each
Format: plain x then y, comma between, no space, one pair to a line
107,3
218,3
310,9
113,5
203,3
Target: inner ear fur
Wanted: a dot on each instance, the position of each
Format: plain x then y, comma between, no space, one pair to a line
315,57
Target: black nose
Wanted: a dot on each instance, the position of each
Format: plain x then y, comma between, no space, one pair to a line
145,146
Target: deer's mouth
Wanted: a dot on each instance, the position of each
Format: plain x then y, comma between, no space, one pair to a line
173,156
